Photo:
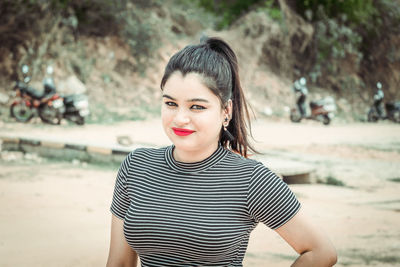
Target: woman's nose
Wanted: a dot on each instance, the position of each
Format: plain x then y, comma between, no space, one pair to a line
181,117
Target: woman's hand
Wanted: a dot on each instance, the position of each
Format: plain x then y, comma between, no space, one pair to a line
121,254
310,242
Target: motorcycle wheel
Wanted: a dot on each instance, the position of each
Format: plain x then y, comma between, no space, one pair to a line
21,112
75,118
49,115
326,120
80,120
295,116
372,117
396,116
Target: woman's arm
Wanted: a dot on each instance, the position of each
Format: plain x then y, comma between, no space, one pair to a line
311,243
121,254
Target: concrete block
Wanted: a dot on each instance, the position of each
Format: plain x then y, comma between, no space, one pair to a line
9,140
50,144
99,150
10,147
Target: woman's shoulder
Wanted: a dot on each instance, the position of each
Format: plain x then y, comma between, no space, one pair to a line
252,162
146,153
237,159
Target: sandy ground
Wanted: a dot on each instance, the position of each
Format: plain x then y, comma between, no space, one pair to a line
57,213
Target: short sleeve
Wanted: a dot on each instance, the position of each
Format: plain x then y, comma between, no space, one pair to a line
269,199
120,202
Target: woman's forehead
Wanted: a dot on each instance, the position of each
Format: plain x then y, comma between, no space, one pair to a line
189,81
189,86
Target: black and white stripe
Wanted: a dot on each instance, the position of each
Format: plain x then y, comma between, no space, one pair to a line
196,214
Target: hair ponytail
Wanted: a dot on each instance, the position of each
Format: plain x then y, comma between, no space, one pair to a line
214,59
240,125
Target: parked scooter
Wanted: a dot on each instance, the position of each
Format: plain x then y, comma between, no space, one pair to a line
392,112
376,111
74,107
321,110
29,102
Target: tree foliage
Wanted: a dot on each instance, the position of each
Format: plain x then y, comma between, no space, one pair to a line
348,28
228,10
371,18
24,21
357,11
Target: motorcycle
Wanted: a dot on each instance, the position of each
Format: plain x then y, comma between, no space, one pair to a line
392,110
49,105
29,102
321,110
76,108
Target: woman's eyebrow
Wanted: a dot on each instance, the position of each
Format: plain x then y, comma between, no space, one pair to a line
198,100
189,100
167,96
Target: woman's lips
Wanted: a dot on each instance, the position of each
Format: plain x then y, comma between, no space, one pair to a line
182,132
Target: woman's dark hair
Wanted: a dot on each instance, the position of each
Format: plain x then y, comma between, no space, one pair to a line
216,62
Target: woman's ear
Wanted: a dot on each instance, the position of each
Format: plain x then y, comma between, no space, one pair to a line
228,109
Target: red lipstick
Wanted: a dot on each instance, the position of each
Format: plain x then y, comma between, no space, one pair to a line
182,132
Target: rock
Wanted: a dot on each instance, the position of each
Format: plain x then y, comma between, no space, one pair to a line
72,85
33,157
267,111
183,25
11,155
124,67
4,98
286,109
124,140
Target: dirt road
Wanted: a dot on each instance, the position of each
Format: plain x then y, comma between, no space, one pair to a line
56,213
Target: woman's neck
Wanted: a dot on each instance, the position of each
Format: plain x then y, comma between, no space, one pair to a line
195,155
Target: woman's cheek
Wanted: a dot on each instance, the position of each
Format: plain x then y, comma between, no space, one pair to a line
166,114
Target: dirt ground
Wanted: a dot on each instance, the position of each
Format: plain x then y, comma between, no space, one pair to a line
55,213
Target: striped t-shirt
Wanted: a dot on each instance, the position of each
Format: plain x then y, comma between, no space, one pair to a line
196,214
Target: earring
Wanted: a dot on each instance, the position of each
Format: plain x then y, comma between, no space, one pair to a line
226,123
227,134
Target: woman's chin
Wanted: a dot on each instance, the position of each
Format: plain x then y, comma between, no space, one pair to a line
184,147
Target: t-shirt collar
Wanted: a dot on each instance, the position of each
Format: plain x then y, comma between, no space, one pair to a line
184,167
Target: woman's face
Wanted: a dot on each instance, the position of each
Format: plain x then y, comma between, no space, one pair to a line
192,116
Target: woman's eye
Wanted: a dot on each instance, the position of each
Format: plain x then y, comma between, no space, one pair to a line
197,107
171,104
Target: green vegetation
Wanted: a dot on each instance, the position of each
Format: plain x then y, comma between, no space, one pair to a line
368,258
333,181
366,16
344,31
24,19
348,29
342,28
229,11
272,9
396,180
357,11
351,39
334,41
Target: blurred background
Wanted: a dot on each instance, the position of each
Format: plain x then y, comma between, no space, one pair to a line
80,79
118,49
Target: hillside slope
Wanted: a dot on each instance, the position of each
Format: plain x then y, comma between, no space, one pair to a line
122,86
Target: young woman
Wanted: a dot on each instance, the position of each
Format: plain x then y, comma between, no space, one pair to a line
196,202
